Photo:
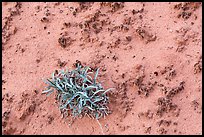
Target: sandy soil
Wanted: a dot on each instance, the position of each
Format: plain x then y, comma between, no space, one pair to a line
150,52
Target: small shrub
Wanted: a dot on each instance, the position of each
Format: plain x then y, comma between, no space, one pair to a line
79,93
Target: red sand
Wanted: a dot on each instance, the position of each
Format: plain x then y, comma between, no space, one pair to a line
150,52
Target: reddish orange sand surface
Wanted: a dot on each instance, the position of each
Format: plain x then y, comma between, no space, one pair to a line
150,52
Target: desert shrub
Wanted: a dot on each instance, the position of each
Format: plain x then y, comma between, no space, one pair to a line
78,92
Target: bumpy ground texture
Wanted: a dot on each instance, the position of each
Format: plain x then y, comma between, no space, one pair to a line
149,52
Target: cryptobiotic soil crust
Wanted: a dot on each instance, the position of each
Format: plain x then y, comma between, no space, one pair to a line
149,52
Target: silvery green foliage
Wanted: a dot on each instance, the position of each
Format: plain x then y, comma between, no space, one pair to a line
79,93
